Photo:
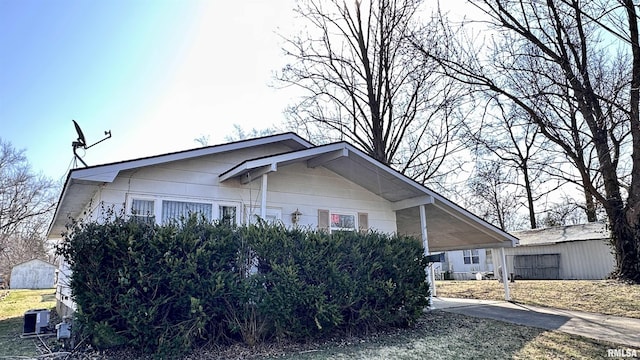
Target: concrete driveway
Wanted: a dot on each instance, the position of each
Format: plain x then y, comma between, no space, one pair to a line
615,329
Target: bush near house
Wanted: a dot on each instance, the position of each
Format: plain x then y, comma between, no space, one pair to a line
163,289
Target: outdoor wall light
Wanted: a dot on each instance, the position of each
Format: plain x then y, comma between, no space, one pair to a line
295,216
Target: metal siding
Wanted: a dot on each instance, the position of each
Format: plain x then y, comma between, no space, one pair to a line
579,260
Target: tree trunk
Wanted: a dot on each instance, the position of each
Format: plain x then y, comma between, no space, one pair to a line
625,240
590,207
527,186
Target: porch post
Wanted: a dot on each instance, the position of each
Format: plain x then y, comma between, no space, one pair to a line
505,278
425,245
263,204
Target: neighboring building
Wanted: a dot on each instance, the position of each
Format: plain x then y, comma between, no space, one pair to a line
564,252
280,177
465,265
33,274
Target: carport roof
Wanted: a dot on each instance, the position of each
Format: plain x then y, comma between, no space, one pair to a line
449,226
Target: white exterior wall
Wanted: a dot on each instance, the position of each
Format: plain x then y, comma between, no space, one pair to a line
461,271
290,188
579,260
33,274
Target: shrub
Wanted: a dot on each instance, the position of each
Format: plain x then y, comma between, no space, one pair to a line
164,289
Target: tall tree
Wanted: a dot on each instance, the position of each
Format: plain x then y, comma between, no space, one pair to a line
26,202
581,87
493,185
517,144
364,81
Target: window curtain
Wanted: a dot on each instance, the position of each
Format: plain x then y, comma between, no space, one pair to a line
142,208
176,210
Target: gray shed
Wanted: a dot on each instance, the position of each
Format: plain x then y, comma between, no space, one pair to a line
575,252
33,274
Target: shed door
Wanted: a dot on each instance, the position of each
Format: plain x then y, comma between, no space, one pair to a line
537,267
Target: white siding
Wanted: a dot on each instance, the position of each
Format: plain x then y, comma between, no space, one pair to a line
461,271
579,260
291,187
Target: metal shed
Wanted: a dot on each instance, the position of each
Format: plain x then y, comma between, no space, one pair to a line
33,274
575,252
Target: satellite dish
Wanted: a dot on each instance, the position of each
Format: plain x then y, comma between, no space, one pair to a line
81,142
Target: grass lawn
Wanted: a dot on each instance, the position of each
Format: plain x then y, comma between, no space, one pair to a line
599,296
437,335
12,308
440,335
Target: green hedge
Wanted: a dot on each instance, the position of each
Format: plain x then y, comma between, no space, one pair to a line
164,289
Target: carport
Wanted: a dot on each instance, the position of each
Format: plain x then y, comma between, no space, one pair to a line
421,212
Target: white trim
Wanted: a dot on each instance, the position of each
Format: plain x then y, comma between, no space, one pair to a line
505,278
108,172
215,205
273,161
238,205
345,213
425,245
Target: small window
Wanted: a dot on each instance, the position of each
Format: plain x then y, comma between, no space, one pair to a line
343,222
489,256
471,256
143,210
228,214
177,210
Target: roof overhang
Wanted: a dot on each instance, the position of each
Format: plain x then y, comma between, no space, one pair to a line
81,184
449,226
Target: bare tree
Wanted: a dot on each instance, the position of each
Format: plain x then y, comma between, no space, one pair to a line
581,88
26,203
364,82
518,145
497,196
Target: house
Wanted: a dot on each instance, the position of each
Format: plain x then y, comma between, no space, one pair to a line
465,264
563,252
281,177
33,274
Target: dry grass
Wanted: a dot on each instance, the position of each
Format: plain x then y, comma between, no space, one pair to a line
437,335
442,335
601,296
12,309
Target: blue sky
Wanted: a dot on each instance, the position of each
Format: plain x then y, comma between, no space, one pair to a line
157,73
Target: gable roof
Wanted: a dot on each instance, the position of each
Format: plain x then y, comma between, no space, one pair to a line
81,183
449,225
39,261
561,234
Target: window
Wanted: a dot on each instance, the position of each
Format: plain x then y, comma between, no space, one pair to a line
228,214
471,256
489,256
143,210
176,210
343,222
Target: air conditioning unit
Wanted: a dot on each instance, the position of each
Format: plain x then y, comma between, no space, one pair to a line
36,321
